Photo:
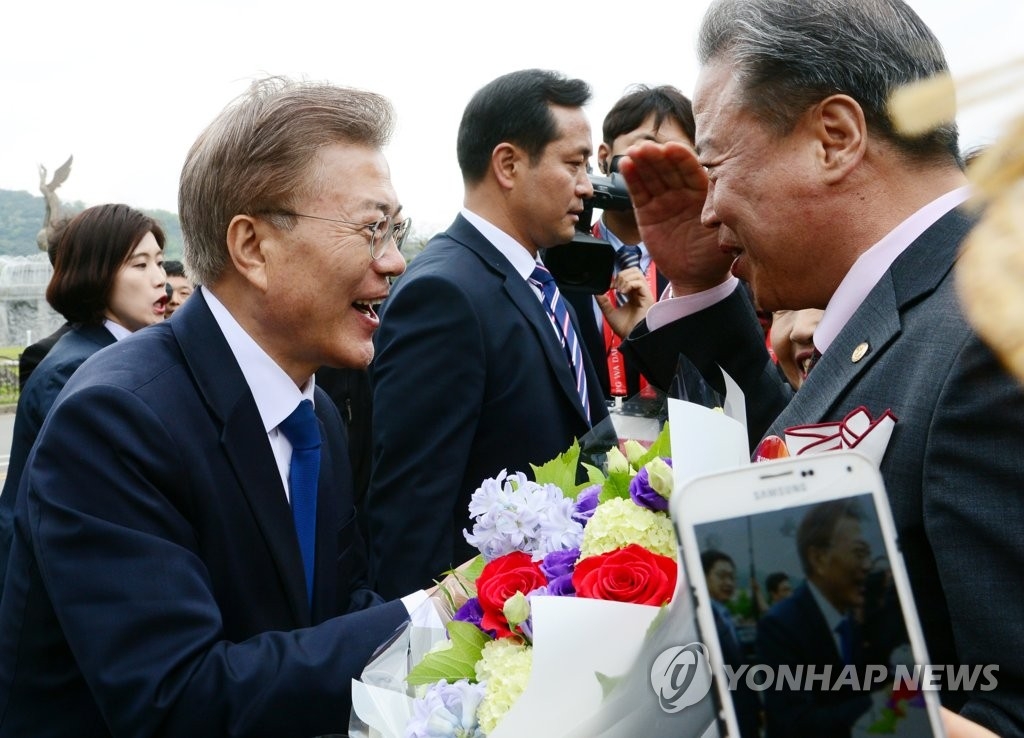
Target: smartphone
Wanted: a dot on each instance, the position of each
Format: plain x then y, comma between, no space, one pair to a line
803,600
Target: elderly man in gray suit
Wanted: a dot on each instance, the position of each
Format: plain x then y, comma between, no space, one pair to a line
818,201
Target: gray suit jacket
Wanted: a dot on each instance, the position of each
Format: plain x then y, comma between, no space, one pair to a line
953,469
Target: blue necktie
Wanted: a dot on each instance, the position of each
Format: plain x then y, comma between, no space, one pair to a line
302,429
848,634
559,315
625,258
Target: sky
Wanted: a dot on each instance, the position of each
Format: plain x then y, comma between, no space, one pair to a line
125,86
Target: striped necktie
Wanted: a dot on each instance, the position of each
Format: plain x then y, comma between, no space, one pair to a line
555,305
625,258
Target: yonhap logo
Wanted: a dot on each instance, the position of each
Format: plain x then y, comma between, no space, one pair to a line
681,676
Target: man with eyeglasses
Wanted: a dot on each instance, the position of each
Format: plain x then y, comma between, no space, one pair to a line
213,582
479,367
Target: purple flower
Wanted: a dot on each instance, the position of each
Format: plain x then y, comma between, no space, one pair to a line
562,586
586,503
559,563
644,495
470,612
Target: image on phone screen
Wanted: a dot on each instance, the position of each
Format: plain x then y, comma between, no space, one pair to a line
810,623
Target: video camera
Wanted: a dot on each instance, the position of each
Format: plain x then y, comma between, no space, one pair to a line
586,263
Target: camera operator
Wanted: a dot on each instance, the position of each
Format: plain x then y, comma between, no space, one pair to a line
643,114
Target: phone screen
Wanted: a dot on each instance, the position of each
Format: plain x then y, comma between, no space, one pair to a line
810,624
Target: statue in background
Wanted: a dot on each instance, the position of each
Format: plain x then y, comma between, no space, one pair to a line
53,207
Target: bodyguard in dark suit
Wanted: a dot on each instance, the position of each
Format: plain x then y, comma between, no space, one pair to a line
822,203
471,374
158,583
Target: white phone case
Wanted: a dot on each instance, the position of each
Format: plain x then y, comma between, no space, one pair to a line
753,514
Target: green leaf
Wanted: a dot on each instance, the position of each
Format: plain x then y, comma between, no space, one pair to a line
594,476
458,586
452,664
561,471
662,446
617,485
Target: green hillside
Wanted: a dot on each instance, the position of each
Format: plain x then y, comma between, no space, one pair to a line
21,217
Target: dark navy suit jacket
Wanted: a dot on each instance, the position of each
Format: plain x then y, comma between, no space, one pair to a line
155,585
469,379
41,388
36,352
794,633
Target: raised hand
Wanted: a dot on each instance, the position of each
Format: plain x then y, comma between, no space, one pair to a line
668,187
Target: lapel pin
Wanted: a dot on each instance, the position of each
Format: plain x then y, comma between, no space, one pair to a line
859,352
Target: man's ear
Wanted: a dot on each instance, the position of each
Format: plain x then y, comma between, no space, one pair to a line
604,156
245,240
505,160
841,130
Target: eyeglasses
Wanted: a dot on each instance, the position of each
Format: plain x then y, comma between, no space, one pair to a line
380,230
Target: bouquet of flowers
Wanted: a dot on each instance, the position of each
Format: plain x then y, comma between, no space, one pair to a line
608,538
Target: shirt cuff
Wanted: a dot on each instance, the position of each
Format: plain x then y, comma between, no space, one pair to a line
414,600
669,309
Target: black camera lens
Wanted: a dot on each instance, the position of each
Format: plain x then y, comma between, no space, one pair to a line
613,165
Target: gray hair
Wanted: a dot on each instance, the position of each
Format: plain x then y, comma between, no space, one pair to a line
256,157
790,54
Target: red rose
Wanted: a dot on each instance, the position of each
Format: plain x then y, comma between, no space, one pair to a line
630,574
500,579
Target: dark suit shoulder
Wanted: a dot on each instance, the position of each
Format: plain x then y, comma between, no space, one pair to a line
132,361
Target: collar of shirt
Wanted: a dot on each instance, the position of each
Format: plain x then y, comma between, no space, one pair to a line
873,263
604,232
273,390
510,248
117,330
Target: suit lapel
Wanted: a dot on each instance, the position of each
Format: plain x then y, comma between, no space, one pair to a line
526,301
813,619
244,441
878,321
876,324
